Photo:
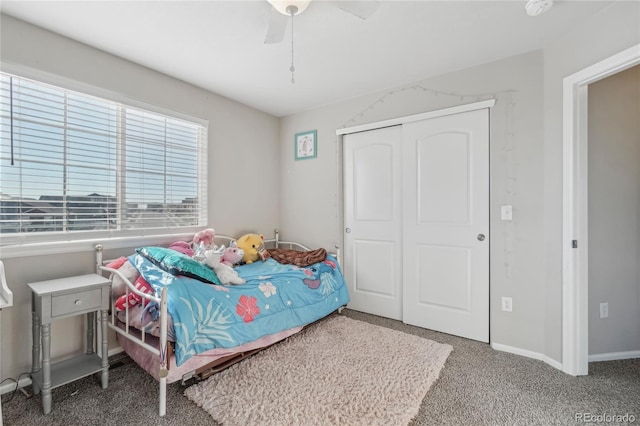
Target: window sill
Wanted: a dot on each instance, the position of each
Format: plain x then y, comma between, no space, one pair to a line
60,247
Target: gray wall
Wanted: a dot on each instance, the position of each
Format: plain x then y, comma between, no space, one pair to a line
614,212
233,151
310,206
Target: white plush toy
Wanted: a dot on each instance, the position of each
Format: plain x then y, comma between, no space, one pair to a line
225,273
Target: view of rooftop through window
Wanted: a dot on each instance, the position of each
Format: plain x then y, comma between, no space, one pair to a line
73,162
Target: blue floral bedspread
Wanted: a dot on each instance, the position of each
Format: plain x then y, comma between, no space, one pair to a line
276,297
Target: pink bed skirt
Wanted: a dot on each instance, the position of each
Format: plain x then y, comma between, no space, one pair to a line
150,362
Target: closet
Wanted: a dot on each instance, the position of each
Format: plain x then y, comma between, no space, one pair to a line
416,219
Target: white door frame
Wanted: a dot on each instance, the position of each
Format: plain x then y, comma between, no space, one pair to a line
575,284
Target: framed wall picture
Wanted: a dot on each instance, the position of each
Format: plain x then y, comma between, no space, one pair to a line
306,145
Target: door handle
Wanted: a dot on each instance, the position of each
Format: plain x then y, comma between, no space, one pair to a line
481,237
347,230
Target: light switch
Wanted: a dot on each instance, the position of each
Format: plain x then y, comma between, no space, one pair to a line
506,212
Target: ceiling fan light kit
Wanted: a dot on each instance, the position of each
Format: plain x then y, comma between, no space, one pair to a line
290,7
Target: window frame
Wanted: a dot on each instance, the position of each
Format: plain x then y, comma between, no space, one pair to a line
67,242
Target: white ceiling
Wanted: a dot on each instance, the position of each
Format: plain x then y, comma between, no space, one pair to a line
219,45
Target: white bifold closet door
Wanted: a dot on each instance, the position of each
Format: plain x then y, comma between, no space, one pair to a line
416,214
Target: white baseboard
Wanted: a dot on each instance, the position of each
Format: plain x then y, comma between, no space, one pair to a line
9,386
527,353
612,356
115,351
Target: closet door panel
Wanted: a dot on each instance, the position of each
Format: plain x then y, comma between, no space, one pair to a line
446,224
444,274
373,220
373,272
443,174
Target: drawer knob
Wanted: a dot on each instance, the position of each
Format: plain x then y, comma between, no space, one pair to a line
78,302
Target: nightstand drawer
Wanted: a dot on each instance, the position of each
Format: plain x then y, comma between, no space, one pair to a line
66,304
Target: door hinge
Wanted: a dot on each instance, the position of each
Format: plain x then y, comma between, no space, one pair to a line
574,243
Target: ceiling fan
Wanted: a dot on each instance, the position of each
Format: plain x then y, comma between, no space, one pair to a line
284,10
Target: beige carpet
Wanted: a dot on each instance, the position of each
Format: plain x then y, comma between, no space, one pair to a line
338,371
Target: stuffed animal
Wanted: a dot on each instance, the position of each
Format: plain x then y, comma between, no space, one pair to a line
232,255
226,274
204,237
253,247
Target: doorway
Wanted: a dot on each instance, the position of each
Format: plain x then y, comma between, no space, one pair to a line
614,216
575,337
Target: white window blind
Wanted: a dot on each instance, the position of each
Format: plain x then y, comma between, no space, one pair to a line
73,165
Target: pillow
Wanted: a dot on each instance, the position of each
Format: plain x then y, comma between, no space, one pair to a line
118,286
134,299
177,263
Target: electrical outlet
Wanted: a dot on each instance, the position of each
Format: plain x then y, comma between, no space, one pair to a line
507,304
604,310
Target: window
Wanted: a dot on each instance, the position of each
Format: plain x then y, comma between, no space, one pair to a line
74,166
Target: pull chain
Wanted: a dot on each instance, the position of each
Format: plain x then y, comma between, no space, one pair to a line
292,68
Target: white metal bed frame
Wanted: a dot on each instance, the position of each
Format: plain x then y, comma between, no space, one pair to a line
162,351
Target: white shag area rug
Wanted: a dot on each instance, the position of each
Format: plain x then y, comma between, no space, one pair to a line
337,371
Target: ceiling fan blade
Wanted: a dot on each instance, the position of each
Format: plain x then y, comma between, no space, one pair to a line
362,9
277,27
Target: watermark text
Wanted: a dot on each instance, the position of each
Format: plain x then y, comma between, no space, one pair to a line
604,418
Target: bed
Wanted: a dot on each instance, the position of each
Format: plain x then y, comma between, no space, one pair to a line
190,326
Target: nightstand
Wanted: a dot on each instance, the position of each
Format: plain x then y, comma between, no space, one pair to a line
62,298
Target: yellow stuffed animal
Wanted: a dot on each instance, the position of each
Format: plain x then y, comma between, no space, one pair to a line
253,247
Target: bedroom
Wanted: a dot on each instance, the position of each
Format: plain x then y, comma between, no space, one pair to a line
534,280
